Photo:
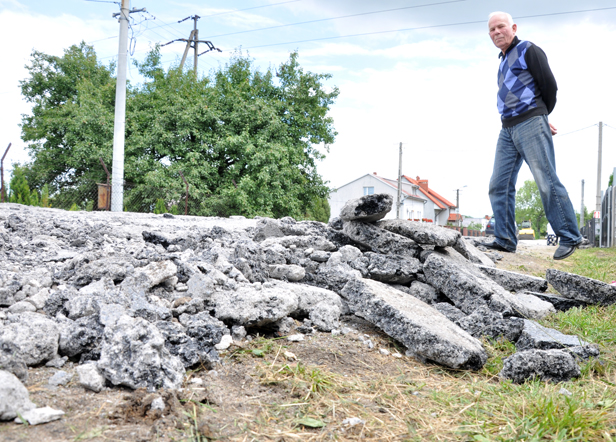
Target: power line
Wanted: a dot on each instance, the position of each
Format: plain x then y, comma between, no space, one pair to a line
424,27
254,7
578,130
339,17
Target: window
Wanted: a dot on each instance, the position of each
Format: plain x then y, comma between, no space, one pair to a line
368,190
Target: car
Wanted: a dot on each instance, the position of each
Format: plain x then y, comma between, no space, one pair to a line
490,227
526,231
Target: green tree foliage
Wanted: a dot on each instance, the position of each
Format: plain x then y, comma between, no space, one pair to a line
528,206
244,139
160,207
319,210
19,189
45,196
587,215
475,226
610,183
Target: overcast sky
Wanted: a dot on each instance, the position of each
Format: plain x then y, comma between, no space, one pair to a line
420,72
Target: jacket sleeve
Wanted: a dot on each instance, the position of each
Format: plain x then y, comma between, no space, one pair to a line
537,64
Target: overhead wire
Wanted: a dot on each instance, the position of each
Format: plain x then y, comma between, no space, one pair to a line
574,131
337,18
425,27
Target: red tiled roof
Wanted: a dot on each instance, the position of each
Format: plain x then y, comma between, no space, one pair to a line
431,194
394,184
454,217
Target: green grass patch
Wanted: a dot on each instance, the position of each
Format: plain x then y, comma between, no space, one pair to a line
595,263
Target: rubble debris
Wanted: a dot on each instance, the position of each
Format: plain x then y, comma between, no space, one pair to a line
428,334
138,299
546,365
581,288
39,416
368,208
421,233
535,336
515,282
14,397
560,303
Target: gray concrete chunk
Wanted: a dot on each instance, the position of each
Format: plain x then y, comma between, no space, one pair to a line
379,240
544,338
394,269
421,233
546,365
428,334
581,288
14,397
560,303
515,281
367,208
467,248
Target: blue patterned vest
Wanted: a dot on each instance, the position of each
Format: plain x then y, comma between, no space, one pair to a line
517,92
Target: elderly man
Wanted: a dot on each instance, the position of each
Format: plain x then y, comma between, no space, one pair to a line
526,95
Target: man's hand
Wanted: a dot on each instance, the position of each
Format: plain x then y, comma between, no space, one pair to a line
553,129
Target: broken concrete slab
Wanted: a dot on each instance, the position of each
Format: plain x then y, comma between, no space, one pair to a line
368,208
133,354
14,397
515,282
292,273
35,336
11,361
39,416
393,269
379,240
560,303
469,289
421,291
428,334
536,336
90,377
467,248
581,288
421,233
487,323
545,365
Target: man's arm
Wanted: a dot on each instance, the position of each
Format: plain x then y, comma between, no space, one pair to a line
537,63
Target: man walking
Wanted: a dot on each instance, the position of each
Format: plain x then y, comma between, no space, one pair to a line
526,96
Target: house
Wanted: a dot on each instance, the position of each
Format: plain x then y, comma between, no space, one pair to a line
418,201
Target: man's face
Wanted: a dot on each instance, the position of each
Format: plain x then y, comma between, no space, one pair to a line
501,32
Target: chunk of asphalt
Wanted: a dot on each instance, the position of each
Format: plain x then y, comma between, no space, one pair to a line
368,208
544,338
421,233
545,365
515,281
581,288
427,333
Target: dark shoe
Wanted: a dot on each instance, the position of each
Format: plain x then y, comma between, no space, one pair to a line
493,245
564,251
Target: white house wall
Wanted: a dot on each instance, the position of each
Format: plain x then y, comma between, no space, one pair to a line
355,189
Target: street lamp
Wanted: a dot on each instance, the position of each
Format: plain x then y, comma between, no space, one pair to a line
458,205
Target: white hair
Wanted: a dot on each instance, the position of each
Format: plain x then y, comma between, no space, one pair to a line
507,15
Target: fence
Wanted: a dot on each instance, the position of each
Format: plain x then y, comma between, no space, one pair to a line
466,232
607,237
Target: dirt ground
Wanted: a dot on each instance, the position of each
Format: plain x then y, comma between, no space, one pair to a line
268,389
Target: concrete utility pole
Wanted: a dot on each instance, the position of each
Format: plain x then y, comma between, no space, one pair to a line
458,205
399,182
117,178
193,42
582,207
598,205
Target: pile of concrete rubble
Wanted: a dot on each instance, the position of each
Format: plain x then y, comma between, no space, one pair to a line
136,299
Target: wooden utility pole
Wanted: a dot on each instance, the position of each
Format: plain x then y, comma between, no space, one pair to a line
193,42
598,202
399,182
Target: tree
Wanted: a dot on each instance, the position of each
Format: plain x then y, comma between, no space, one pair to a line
610,183
528,206
19,189
319,210
243,139
71,124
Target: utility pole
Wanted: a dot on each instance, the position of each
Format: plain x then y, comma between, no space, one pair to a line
598,205
582,207
399,182
193,42
458,205
119,124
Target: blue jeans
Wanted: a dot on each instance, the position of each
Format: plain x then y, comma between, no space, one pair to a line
530,141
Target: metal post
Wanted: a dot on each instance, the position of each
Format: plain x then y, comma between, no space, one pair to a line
117,180
458,205
2,189
582,207
399,182
598,202
196,39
